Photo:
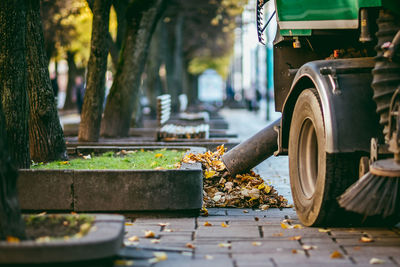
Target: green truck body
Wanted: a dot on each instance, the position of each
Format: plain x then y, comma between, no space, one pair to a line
300,17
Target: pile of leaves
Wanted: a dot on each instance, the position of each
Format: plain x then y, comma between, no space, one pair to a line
247,190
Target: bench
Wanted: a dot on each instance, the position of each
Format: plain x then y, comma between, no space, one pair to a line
167,131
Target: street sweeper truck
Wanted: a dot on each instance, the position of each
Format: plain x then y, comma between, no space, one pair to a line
337,85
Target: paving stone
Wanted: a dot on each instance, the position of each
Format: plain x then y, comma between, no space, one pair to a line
227,232
263,247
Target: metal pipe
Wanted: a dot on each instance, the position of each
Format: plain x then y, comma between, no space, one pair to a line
253,151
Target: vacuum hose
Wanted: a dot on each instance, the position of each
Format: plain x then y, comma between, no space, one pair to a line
253,151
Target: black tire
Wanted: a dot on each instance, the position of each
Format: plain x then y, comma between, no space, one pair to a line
316,177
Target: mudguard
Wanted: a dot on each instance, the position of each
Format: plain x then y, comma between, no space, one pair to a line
344,88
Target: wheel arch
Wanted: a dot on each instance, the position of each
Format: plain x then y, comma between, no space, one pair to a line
346,100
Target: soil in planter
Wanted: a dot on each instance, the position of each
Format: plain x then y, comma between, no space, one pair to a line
133,159
43,228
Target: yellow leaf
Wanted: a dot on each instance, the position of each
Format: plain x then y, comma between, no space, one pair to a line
277,234
256,244
267,189
295,238
207,224
336,255
163,224
209,174
128,224
324,230
298,226
155,241
158,256
285,226
158,155
149,234
123,262
224,225
366,239
261,186
225,245
64,162
12,239
133,238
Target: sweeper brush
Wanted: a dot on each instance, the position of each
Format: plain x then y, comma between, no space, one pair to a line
377,193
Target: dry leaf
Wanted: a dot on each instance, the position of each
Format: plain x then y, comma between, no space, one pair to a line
123,262
207,224
295,238
336,255
64,162
324,230
285,226
163,224
224,225
245,211
155,241
224,245
168,230
294,251
149,234
87,157
190,245
44,213
209,174
366,239
158,155
256,219
264,207
298,226
277,234
158,256
376,261
134,238
12,239
256,244
209,257
308,247
128,224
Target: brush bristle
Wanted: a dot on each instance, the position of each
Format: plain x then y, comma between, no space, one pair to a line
373,195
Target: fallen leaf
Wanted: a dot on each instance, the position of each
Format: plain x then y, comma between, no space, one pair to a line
366,239
308,247
336,255
294,251
264,207
190,245
158,155
44,213
256,219
123,262
207,224
149,234
204,211
87,157
224,225
324,230
163,224
12,239
277,234
43,239
376,261
285,226
209,257
64,162
158,256
295,238
224,245
128,224
245,211
134,238
159,168
256,244
155,241
298,226
168,230
209,174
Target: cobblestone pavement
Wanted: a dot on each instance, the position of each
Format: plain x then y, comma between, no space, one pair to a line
256,238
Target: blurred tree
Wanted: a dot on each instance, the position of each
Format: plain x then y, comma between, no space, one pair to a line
11,224
13,79
123,99
89,128
46,138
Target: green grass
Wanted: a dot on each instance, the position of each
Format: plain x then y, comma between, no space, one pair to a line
135,160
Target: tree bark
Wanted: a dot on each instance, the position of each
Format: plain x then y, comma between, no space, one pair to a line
72,73
174,60
13,79
92,109
143,16
11,224
46,137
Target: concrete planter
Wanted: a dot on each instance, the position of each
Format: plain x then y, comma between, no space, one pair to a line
112,190
104,242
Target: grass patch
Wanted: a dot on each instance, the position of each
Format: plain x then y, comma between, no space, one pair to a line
123,160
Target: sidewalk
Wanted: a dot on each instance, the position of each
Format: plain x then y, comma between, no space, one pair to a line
254,237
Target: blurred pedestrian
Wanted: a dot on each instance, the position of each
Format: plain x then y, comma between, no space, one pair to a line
79,90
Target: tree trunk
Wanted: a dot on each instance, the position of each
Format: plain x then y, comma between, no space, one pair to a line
92,109
174,60
13,79
143,16
153,80
11,224
46,137
72,73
